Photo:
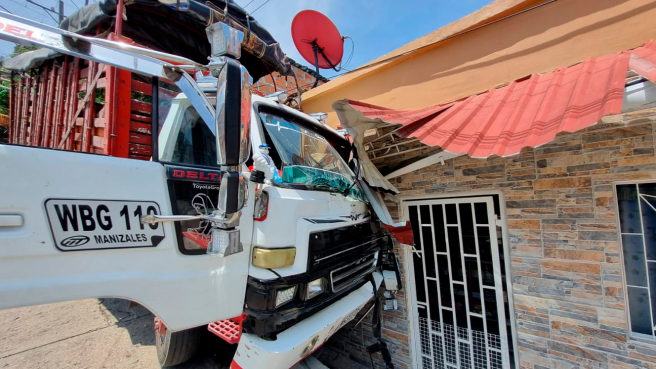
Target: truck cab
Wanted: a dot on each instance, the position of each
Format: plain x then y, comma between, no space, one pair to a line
213,228
313,239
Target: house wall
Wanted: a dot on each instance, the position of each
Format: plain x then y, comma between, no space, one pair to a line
556,35
566,269
275,82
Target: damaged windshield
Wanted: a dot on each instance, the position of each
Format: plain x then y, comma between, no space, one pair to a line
307,158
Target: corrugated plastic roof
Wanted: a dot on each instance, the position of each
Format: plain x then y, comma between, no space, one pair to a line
525,113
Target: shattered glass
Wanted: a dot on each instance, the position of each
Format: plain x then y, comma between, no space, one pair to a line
307,158
318,178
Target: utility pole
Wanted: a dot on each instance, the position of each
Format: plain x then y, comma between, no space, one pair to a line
61,11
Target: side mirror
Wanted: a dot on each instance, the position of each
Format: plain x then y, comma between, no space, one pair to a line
233,95
230,203
233,114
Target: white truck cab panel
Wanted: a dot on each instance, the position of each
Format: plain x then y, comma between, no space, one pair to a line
37,266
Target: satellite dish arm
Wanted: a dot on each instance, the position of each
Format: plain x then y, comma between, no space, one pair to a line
319,50
316,48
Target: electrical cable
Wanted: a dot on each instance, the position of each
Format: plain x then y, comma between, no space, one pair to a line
47,11
5,9
253,12
278,275
249,3
343,65
25,6
72,3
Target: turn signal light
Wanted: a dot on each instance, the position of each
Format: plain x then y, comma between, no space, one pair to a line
261,207
273,258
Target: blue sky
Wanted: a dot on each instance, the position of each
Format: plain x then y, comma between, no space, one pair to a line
376,26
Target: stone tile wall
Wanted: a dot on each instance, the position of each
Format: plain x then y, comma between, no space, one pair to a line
566,269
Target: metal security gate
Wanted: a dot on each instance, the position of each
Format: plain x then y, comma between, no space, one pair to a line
458,292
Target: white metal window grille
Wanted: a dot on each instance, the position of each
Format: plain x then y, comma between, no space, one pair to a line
458,292
636,204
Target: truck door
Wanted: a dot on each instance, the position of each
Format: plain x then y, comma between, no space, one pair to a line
70,224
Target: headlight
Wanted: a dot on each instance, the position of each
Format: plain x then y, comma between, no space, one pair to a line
314,288
285,296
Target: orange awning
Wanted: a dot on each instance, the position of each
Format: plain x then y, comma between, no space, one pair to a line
525,113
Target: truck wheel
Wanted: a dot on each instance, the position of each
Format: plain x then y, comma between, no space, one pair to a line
175,348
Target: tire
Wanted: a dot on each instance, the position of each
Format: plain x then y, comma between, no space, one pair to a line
175,348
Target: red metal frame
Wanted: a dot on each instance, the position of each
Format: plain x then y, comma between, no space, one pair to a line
228,329
49,108
44,103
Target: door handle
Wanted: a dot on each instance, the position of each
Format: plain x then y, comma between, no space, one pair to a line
11,220
152,219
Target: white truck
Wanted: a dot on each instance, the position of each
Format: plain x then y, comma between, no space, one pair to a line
273,252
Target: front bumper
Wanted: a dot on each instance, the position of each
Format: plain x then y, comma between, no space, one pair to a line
266,320
291,345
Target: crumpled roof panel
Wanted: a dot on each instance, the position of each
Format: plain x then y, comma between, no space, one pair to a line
525,113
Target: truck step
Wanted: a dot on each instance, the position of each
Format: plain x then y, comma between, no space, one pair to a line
228,329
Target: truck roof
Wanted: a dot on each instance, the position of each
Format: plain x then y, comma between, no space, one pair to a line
157,26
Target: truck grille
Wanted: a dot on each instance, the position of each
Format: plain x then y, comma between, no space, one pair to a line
352,273
332,248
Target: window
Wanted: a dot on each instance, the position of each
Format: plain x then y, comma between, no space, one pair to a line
185,138
305,156
636,204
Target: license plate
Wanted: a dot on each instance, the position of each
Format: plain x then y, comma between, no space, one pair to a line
102,224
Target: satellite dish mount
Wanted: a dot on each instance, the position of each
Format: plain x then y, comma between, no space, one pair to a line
314,34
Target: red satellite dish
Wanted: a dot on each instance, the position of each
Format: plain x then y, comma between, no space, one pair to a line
317,39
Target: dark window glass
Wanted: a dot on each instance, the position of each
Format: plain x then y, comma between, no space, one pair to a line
647,189
491,314
414,222
454,252
480,208
473,286
485,252
190,139
194,236
634,260
639,311
433,302
428,251
460,305
477,324
445,284
438,226
424,210
451,215
636,205
419,278
423,312
648,205
467,229
627,203
651,267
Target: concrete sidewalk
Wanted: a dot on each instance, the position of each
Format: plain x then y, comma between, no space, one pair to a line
105,333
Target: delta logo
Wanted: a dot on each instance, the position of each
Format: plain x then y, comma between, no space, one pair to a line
194,175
